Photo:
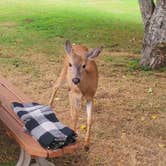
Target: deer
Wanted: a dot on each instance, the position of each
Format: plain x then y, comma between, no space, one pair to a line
81,74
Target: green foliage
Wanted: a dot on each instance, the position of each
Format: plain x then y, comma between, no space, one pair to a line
16,62
108,59
21,65
8,164
163,69
133,64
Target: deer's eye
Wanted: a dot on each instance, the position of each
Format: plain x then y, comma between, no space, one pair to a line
70,65
83,66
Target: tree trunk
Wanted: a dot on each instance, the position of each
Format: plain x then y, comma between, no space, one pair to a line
154,44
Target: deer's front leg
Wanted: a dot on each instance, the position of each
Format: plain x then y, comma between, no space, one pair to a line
55,89
89,109
60,81
75,105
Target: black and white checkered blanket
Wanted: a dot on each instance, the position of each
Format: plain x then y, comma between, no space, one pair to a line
43,125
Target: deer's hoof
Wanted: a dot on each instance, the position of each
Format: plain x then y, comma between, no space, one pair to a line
86,148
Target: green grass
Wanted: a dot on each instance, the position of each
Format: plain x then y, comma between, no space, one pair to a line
8,164
44,25
129,63
20,65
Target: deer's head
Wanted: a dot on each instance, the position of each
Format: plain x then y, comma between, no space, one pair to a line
78,60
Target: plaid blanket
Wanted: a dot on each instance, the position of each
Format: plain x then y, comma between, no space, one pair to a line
43,125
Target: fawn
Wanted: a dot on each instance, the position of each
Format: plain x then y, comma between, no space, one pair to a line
80,72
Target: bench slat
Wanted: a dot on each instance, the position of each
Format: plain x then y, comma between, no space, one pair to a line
66,150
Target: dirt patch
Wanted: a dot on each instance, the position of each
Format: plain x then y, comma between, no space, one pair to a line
8,24
28,20
129,119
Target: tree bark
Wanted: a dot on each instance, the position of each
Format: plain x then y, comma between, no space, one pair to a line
154,44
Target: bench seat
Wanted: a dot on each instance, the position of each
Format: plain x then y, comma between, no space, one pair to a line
9,94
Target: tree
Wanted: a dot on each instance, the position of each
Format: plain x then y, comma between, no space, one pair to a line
154,44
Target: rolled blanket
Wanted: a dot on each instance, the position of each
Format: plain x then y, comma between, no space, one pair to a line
43,125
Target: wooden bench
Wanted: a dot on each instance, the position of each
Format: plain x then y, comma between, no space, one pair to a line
30,148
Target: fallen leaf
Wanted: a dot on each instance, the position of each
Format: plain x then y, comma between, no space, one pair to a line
150,90
123,76
142,118
57,99
83,127
161,145
154,116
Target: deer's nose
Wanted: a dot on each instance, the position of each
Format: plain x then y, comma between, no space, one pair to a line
76,80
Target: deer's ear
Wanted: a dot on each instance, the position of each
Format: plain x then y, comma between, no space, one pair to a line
94,53
68,47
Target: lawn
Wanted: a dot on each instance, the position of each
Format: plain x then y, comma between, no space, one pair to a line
130,114
116,25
